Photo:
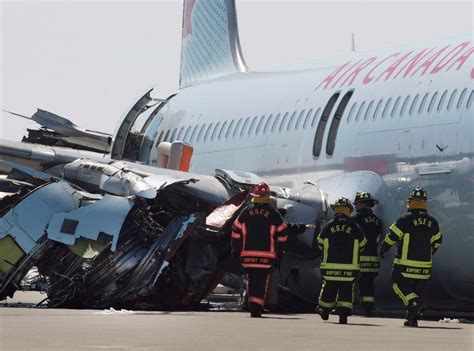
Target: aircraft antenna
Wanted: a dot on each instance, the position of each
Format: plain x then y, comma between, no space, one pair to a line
353,44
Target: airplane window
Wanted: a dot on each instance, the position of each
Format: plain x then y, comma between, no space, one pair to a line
432,102
351,112
214,132
369,110
336,120
404,106
193,134
292,119
395,107
244,127
252,126
386,108
201,133
306,120
229,131
318,137
167,135
277,119
423,103
469,101
361,109
260,124
377,109
315,118
441,101
173,136
413,104
300,118
236,130
180,134
283,121
461,99
159,139
222,132
451,99
267,125
187,133
207,132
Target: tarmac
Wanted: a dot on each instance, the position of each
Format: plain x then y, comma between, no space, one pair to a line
27,328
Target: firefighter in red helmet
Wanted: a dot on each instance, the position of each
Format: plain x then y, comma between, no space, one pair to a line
258,238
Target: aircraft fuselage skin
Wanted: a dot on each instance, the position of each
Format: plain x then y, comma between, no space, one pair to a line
408,122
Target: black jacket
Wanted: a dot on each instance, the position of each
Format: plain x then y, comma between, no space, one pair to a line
372,228
341,241
418,237
259,235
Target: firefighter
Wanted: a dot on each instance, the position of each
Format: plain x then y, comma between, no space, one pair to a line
417,237
341,241
369,261
258,238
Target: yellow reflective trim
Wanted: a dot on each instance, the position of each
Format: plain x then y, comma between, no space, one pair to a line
369,258
344,304
435,237
339,279
369,270
355,252
326,304
320,240
399,293
416,276
368,299
396,230
389,241
412,263
406,244
326,245
340,266
411,296
437,245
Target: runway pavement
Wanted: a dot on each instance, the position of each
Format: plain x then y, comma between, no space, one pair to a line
60,329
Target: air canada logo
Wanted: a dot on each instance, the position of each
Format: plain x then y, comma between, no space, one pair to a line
400,65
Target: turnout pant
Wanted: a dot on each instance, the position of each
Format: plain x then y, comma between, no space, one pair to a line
339,294
257,286
408,290
367,288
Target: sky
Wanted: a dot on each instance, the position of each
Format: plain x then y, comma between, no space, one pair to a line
89,60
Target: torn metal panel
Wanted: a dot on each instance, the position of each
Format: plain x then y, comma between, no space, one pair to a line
102,217
27,221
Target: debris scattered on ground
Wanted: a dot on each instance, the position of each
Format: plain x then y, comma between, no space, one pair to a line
112,310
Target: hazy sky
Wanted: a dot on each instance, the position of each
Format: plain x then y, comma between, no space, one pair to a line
89,60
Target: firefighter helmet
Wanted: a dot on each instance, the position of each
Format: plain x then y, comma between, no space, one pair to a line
362,196
260,190
418,194
342,202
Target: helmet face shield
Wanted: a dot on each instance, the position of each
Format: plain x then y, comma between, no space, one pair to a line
365,197
260,190
342,202
418,194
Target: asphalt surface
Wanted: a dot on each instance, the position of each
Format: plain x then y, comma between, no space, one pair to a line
26,328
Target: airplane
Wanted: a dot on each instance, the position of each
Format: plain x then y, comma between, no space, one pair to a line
382,121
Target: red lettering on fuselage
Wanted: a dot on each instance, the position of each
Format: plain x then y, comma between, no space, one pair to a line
408,64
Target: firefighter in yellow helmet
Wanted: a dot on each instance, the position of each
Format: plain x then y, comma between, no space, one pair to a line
341,240
417,237
369,260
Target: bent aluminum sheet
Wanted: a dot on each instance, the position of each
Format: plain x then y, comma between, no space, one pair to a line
105,216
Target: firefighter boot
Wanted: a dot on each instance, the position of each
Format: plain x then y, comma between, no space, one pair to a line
255,310
343,313
324,313
368,307
412,314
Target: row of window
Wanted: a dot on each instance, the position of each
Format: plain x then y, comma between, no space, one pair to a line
241,128
427,104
